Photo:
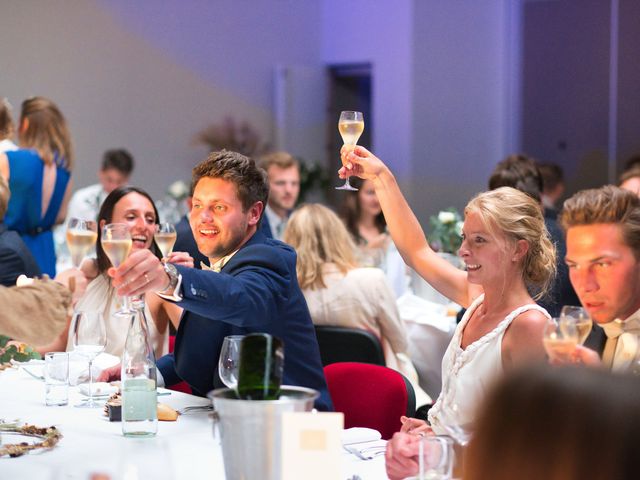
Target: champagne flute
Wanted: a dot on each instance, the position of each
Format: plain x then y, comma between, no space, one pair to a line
81,237
580,318
165,237
89,337
350,126
560,340
116,242
229,358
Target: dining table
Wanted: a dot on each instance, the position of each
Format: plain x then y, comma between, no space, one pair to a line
92,447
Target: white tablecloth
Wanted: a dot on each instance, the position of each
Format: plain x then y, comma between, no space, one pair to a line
184,449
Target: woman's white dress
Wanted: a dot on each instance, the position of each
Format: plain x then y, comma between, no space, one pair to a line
468,374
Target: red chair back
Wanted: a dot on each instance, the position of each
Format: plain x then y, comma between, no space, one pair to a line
370,395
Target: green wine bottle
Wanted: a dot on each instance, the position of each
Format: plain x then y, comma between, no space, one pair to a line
261,366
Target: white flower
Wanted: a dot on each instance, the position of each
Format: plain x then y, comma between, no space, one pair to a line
459,225
178,190
446,217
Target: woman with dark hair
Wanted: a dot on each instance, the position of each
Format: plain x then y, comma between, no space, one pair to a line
39,177
135,208
365,221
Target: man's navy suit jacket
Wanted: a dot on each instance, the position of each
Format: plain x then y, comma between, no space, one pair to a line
256,291
15,258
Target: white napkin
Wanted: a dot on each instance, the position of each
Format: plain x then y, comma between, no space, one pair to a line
359,435
98,389
367,450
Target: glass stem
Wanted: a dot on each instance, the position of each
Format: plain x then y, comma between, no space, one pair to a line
90,382
125,304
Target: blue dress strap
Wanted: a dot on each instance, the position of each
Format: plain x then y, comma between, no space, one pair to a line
62,179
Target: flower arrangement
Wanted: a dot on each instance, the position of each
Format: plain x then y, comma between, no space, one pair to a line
18,352
178,190
446,231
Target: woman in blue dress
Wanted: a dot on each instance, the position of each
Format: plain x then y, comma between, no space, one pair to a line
39,176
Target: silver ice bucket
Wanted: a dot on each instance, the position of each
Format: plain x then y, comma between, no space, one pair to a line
251,429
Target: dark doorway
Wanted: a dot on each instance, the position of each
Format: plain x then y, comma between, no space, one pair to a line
350,89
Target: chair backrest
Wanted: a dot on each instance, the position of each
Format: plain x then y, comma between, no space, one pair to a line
370,396
342,344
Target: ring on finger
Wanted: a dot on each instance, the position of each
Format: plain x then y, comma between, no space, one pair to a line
146,279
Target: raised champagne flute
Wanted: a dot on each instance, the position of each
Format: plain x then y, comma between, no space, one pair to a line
81,238
116,243
580,318
165,238
350,126
560,340
89,337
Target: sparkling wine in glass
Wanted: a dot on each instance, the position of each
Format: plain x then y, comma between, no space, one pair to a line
81,238
229,358
89,337
165,237
580,318
116,242
560,340
350,126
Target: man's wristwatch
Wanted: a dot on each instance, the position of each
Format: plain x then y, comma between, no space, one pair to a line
171,270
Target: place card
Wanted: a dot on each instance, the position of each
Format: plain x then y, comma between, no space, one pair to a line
311,445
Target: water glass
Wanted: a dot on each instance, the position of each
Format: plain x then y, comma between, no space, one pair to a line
56,378
435,458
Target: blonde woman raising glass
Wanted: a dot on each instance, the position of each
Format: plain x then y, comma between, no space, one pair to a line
507,253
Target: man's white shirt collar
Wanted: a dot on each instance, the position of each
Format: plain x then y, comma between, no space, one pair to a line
276,222
217,266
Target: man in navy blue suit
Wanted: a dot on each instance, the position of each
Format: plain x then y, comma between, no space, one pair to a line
252,288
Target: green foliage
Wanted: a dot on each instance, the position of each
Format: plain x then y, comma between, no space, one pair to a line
446,230
22,353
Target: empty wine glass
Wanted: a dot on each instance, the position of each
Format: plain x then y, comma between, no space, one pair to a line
229,358
560,340
350,126
116,243
165,238
89,337
580,318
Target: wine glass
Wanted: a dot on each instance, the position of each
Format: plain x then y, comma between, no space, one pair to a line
89,337
350,126
229,360
580,318
81,237
116,242
560,340
165,237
